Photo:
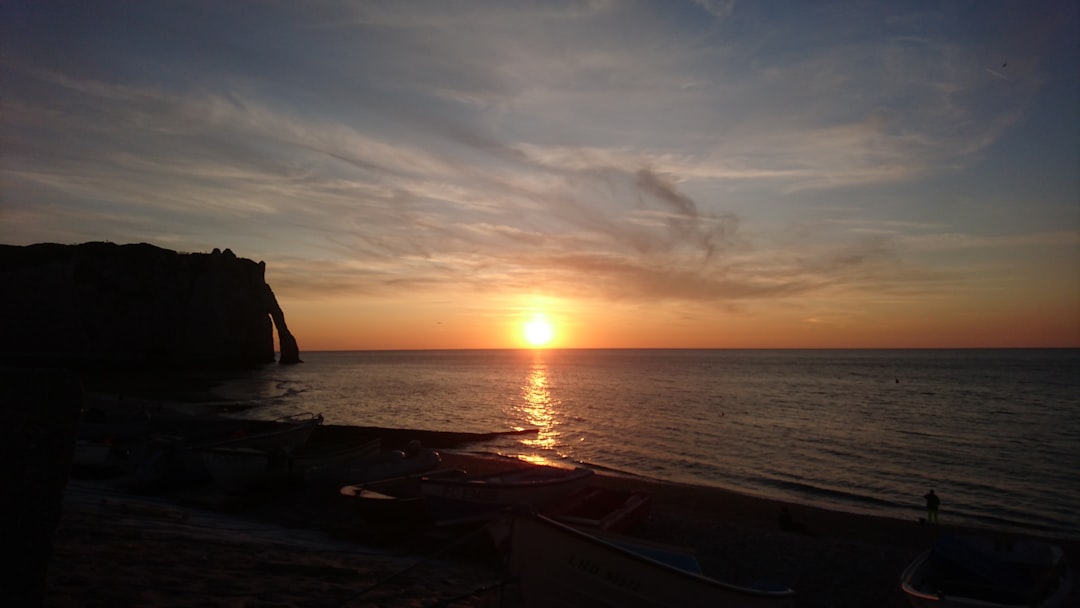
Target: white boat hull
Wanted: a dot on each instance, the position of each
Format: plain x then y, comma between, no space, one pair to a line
556,565
240,468
184,457
387,465
981,573
93,454
465,500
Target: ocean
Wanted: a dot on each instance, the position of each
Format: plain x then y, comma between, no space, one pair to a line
995,432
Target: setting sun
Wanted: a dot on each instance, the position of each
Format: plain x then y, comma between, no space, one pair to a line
538,332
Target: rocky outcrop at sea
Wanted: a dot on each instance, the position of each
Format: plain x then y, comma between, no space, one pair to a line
109,304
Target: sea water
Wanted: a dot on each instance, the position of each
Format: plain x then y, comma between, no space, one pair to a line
995,432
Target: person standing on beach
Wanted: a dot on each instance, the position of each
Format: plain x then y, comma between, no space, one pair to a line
932,503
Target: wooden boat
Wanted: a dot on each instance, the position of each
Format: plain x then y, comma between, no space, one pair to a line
238,468
179,455
285,432
385,464
969,572
395,502
598,508
102,444
558,565
91,429
463,499
388,508
95,455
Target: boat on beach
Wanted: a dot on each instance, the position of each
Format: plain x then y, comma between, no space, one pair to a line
452,497
414,460
178,452
108,444
239,468
600,508
981,572
399,501
554,564
394,502
463,498
94,427
95,455
285,432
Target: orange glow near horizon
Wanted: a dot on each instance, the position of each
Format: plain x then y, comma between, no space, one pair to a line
549,323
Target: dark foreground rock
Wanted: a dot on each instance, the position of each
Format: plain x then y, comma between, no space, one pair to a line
41,413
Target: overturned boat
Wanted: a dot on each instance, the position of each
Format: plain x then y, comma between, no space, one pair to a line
981,572
464,499
558,565
240,468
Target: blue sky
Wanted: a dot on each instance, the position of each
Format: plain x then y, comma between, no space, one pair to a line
695,173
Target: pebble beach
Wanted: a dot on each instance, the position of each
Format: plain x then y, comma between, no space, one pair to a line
306,549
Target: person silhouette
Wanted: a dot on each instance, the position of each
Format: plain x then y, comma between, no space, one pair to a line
932,504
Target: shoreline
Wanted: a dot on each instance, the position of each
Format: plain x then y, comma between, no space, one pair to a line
978,512
917,513
840,559
116,548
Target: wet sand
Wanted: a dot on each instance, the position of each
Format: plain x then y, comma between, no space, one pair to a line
114,548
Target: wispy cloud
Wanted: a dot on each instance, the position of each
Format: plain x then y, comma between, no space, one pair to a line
604,149
717,8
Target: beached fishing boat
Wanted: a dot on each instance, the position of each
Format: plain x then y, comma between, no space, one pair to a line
980,572
470,498
395,502
558,565
385,464
599,508
102,444
97,428
179,455
285,432
238,468
95,455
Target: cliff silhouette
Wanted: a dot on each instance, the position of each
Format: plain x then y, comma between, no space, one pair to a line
138,304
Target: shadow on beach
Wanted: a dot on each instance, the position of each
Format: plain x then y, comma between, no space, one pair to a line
118,543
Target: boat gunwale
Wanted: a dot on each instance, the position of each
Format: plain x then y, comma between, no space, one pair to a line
1062,572
906,578
489,481
596,540
290,426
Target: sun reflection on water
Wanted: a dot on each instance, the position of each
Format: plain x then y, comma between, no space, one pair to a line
539,409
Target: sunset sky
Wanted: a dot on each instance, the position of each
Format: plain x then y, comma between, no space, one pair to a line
681,173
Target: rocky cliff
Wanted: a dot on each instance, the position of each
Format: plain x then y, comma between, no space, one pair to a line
102,303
